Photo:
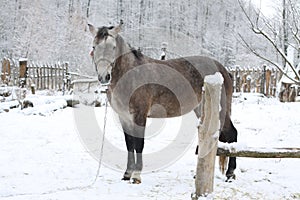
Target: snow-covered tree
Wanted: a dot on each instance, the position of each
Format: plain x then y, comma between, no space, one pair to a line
52,30
278,37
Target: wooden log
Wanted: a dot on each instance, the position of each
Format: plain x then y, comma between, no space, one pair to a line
261,152
208,136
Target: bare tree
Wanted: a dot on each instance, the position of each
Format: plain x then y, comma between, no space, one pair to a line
262,26
88,8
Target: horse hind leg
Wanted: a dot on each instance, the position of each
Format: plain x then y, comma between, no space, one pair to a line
229,134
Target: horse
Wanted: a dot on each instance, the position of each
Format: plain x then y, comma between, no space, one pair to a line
140,87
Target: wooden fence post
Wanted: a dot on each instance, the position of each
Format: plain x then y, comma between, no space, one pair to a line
38,77
23,72
6,71
237,80
268,81
60,79
48,76
263,80
51,76
208,136
15,73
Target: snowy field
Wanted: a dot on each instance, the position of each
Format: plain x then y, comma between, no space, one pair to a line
42,156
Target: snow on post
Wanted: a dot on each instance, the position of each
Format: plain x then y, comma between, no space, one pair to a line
208,135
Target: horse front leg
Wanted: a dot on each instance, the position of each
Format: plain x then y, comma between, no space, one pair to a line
130,157
134,137
139,146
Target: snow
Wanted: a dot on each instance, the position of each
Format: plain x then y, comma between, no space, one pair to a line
216,79
23,59
8,105
43,157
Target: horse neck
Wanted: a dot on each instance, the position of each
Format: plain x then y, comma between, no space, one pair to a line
125,58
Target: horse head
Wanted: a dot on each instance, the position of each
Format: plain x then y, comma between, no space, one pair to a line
104,50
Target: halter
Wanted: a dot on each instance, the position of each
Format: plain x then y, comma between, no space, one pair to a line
107,68
105,71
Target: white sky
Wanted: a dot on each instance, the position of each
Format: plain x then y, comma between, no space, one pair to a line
267,6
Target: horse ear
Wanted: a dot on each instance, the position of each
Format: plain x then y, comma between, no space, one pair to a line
93,30
116,29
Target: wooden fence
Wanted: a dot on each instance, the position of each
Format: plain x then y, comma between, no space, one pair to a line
255,79
41,76
57,76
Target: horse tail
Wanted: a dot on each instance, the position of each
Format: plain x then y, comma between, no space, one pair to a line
223,160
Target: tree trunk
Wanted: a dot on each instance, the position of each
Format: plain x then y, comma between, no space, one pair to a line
88,9
284,28
208,136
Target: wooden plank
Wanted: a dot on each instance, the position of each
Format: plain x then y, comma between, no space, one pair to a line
55,77
44,76
48,75
51,76
38,71
261,152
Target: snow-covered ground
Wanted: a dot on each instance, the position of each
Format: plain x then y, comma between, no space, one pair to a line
43,157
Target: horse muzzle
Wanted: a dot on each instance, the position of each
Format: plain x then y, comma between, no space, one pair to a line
104,80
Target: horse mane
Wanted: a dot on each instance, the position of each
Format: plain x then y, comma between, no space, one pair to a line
136,52
103,32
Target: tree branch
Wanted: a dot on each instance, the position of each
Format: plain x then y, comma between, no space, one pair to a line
259,31
295,26
266,59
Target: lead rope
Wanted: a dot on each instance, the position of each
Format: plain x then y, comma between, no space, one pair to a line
102,145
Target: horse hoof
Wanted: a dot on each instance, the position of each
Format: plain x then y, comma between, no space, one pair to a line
125,178
230,178
136,181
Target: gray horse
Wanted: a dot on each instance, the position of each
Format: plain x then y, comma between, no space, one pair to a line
142,87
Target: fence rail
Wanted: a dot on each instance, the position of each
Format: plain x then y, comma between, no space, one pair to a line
42,76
